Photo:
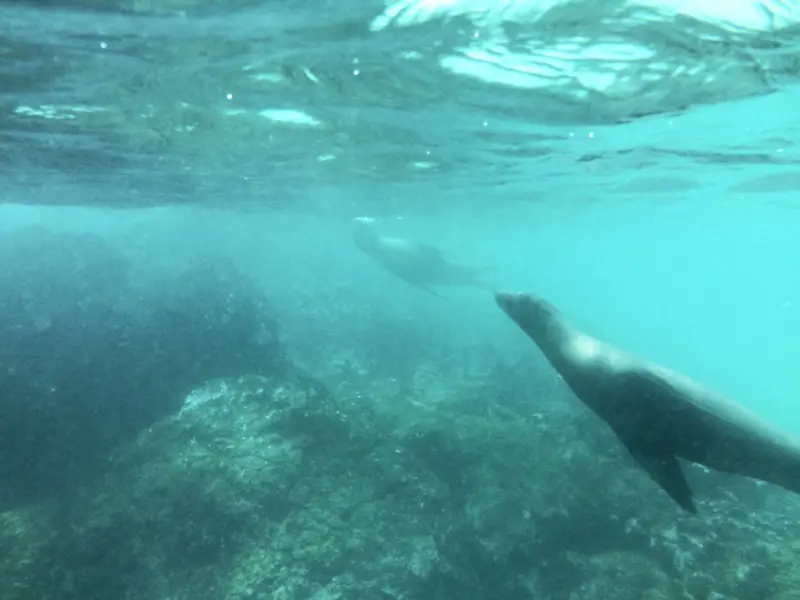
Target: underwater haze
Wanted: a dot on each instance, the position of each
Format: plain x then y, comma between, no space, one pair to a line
249,347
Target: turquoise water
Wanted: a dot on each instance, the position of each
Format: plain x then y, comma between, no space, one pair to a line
635,162
211,392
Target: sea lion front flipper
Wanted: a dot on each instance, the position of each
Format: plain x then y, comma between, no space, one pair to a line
666,471
422,287
425,288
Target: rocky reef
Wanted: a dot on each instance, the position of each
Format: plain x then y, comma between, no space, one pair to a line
277,488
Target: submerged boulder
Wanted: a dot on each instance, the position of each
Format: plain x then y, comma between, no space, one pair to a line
250,491
273,488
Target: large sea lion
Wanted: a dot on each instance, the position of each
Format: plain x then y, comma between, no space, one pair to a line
658,414
420,265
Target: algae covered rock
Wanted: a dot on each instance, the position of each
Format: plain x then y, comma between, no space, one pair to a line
250,491
622,576
272,488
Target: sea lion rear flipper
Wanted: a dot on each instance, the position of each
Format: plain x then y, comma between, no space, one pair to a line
666,471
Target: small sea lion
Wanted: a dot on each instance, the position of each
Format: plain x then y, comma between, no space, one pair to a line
420,265
658,414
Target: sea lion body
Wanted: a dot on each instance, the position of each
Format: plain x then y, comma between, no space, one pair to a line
658,414
420,265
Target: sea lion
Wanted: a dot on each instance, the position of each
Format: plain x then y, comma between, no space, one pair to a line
420,265
658,414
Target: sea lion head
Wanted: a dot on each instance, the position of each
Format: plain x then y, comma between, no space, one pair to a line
365,234
532,314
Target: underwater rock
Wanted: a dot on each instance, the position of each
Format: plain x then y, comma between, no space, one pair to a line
91,352
250,491
622,576
272,487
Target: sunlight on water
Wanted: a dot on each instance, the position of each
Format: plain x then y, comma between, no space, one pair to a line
194,102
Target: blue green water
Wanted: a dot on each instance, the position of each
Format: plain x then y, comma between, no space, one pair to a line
635,162
208,390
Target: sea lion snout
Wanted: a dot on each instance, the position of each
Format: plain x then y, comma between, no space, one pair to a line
529,312
510,302
504,298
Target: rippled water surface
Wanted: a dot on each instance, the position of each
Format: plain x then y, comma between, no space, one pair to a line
291,104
